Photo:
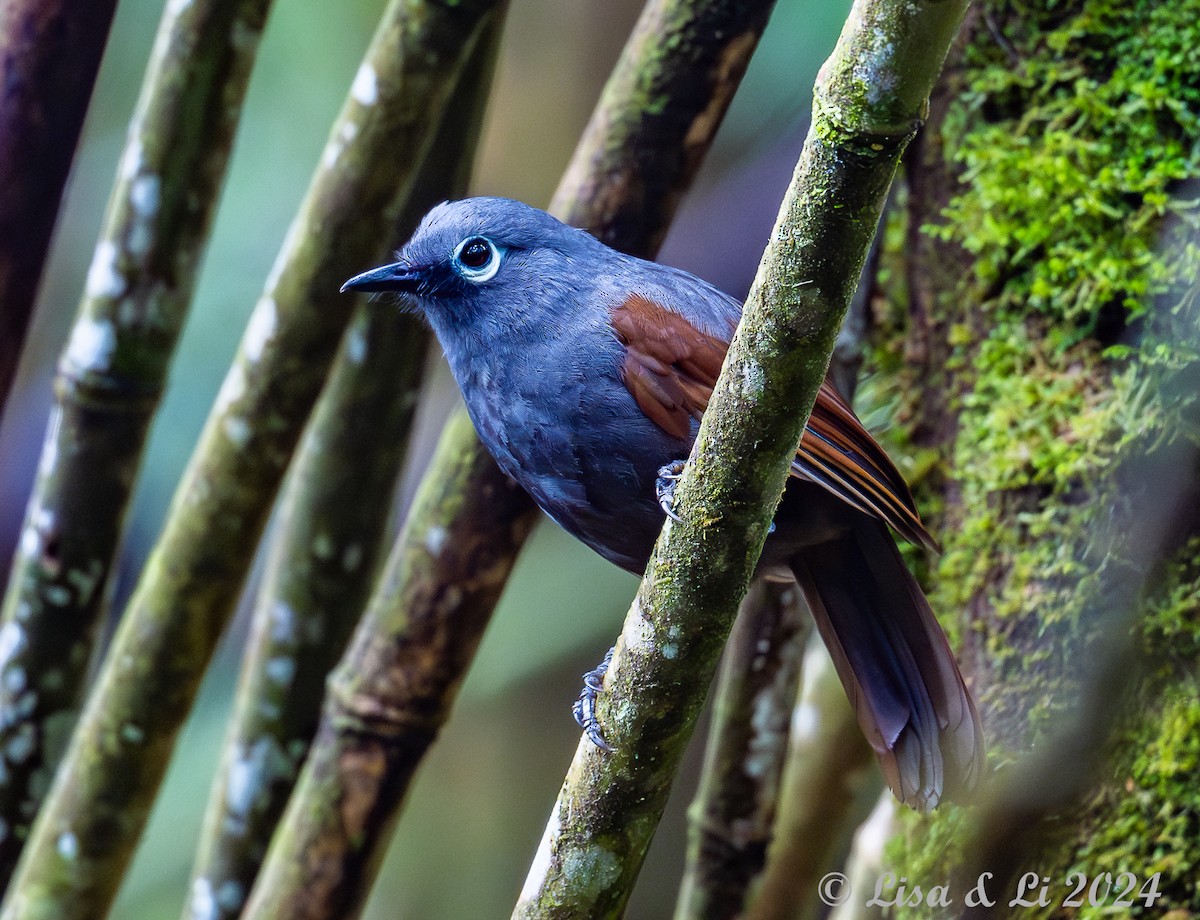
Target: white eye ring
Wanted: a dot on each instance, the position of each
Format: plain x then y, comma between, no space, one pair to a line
469,251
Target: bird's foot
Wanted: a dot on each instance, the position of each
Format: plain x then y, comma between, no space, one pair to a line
664,487
585,707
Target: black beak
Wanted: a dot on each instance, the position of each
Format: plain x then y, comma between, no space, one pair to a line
399,276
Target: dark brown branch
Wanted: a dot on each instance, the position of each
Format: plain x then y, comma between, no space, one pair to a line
49,54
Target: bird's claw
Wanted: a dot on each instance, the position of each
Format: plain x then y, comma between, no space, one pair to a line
664,490
585,707
664,487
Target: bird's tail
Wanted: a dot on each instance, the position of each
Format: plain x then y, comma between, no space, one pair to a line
895,663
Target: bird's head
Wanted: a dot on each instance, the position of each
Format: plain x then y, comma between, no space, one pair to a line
480,264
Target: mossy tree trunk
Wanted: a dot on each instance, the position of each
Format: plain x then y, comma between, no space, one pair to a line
1044,340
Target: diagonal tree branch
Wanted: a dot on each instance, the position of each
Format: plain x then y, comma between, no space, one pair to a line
395,687
50,52
109,382
330,534
103,792
869,100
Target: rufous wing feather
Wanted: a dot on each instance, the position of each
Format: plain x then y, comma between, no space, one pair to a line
839,453
889,650
670,370
670,365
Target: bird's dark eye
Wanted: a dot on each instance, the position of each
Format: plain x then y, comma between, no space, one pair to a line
475,254
477,259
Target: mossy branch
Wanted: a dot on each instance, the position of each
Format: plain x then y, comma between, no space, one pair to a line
667,94
869,100
110,379
396,685
733,817
50,52
330,535
102,794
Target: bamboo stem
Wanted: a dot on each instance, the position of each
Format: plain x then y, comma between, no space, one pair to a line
869,100
50,52
733,817
116,760
397,682
109,382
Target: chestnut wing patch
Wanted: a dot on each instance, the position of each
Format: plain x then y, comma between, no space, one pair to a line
670,366
670,369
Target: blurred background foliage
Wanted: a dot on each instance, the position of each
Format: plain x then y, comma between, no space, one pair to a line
479,805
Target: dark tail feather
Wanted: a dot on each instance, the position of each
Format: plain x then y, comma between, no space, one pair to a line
895,664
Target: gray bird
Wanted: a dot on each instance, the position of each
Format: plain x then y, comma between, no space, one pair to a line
586,370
